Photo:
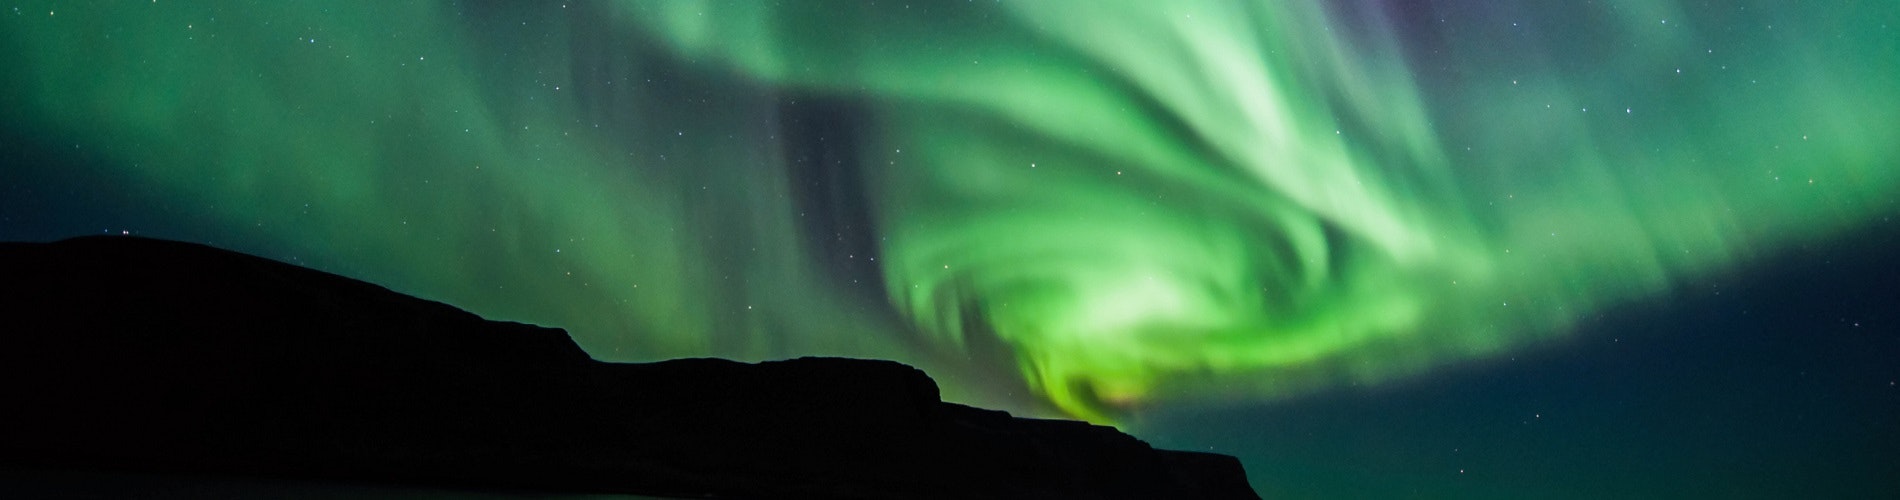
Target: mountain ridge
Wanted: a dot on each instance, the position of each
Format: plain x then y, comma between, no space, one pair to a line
137,354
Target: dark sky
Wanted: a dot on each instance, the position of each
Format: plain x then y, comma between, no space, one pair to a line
1442,249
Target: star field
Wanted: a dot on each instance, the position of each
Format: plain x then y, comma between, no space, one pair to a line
1191,219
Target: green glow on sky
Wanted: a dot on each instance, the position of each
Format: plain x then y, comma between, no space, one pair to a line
1142,201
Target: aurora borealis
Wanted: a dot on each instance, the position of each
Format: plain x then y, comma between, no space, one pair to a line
1099,209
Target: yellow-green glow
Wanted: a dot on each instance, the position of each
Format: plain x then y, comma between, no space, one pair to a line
1140,200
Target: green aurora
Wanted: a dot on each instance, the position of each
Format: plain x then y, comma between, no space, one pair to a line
1098,205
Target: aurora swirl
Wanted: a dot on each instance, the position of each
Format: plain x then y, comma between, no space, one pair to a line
1126,202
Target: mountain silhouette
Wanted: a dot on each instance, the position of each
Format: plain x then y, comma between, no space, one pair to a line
151,356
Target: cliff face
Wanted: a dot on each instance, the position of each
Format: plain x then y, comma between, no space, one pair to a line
134,354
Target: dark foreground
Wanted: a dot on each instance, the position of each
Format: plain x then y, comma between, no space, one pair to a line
153,357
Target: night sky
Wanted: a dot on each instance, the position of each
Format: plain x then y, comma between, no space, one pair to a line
1382,249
